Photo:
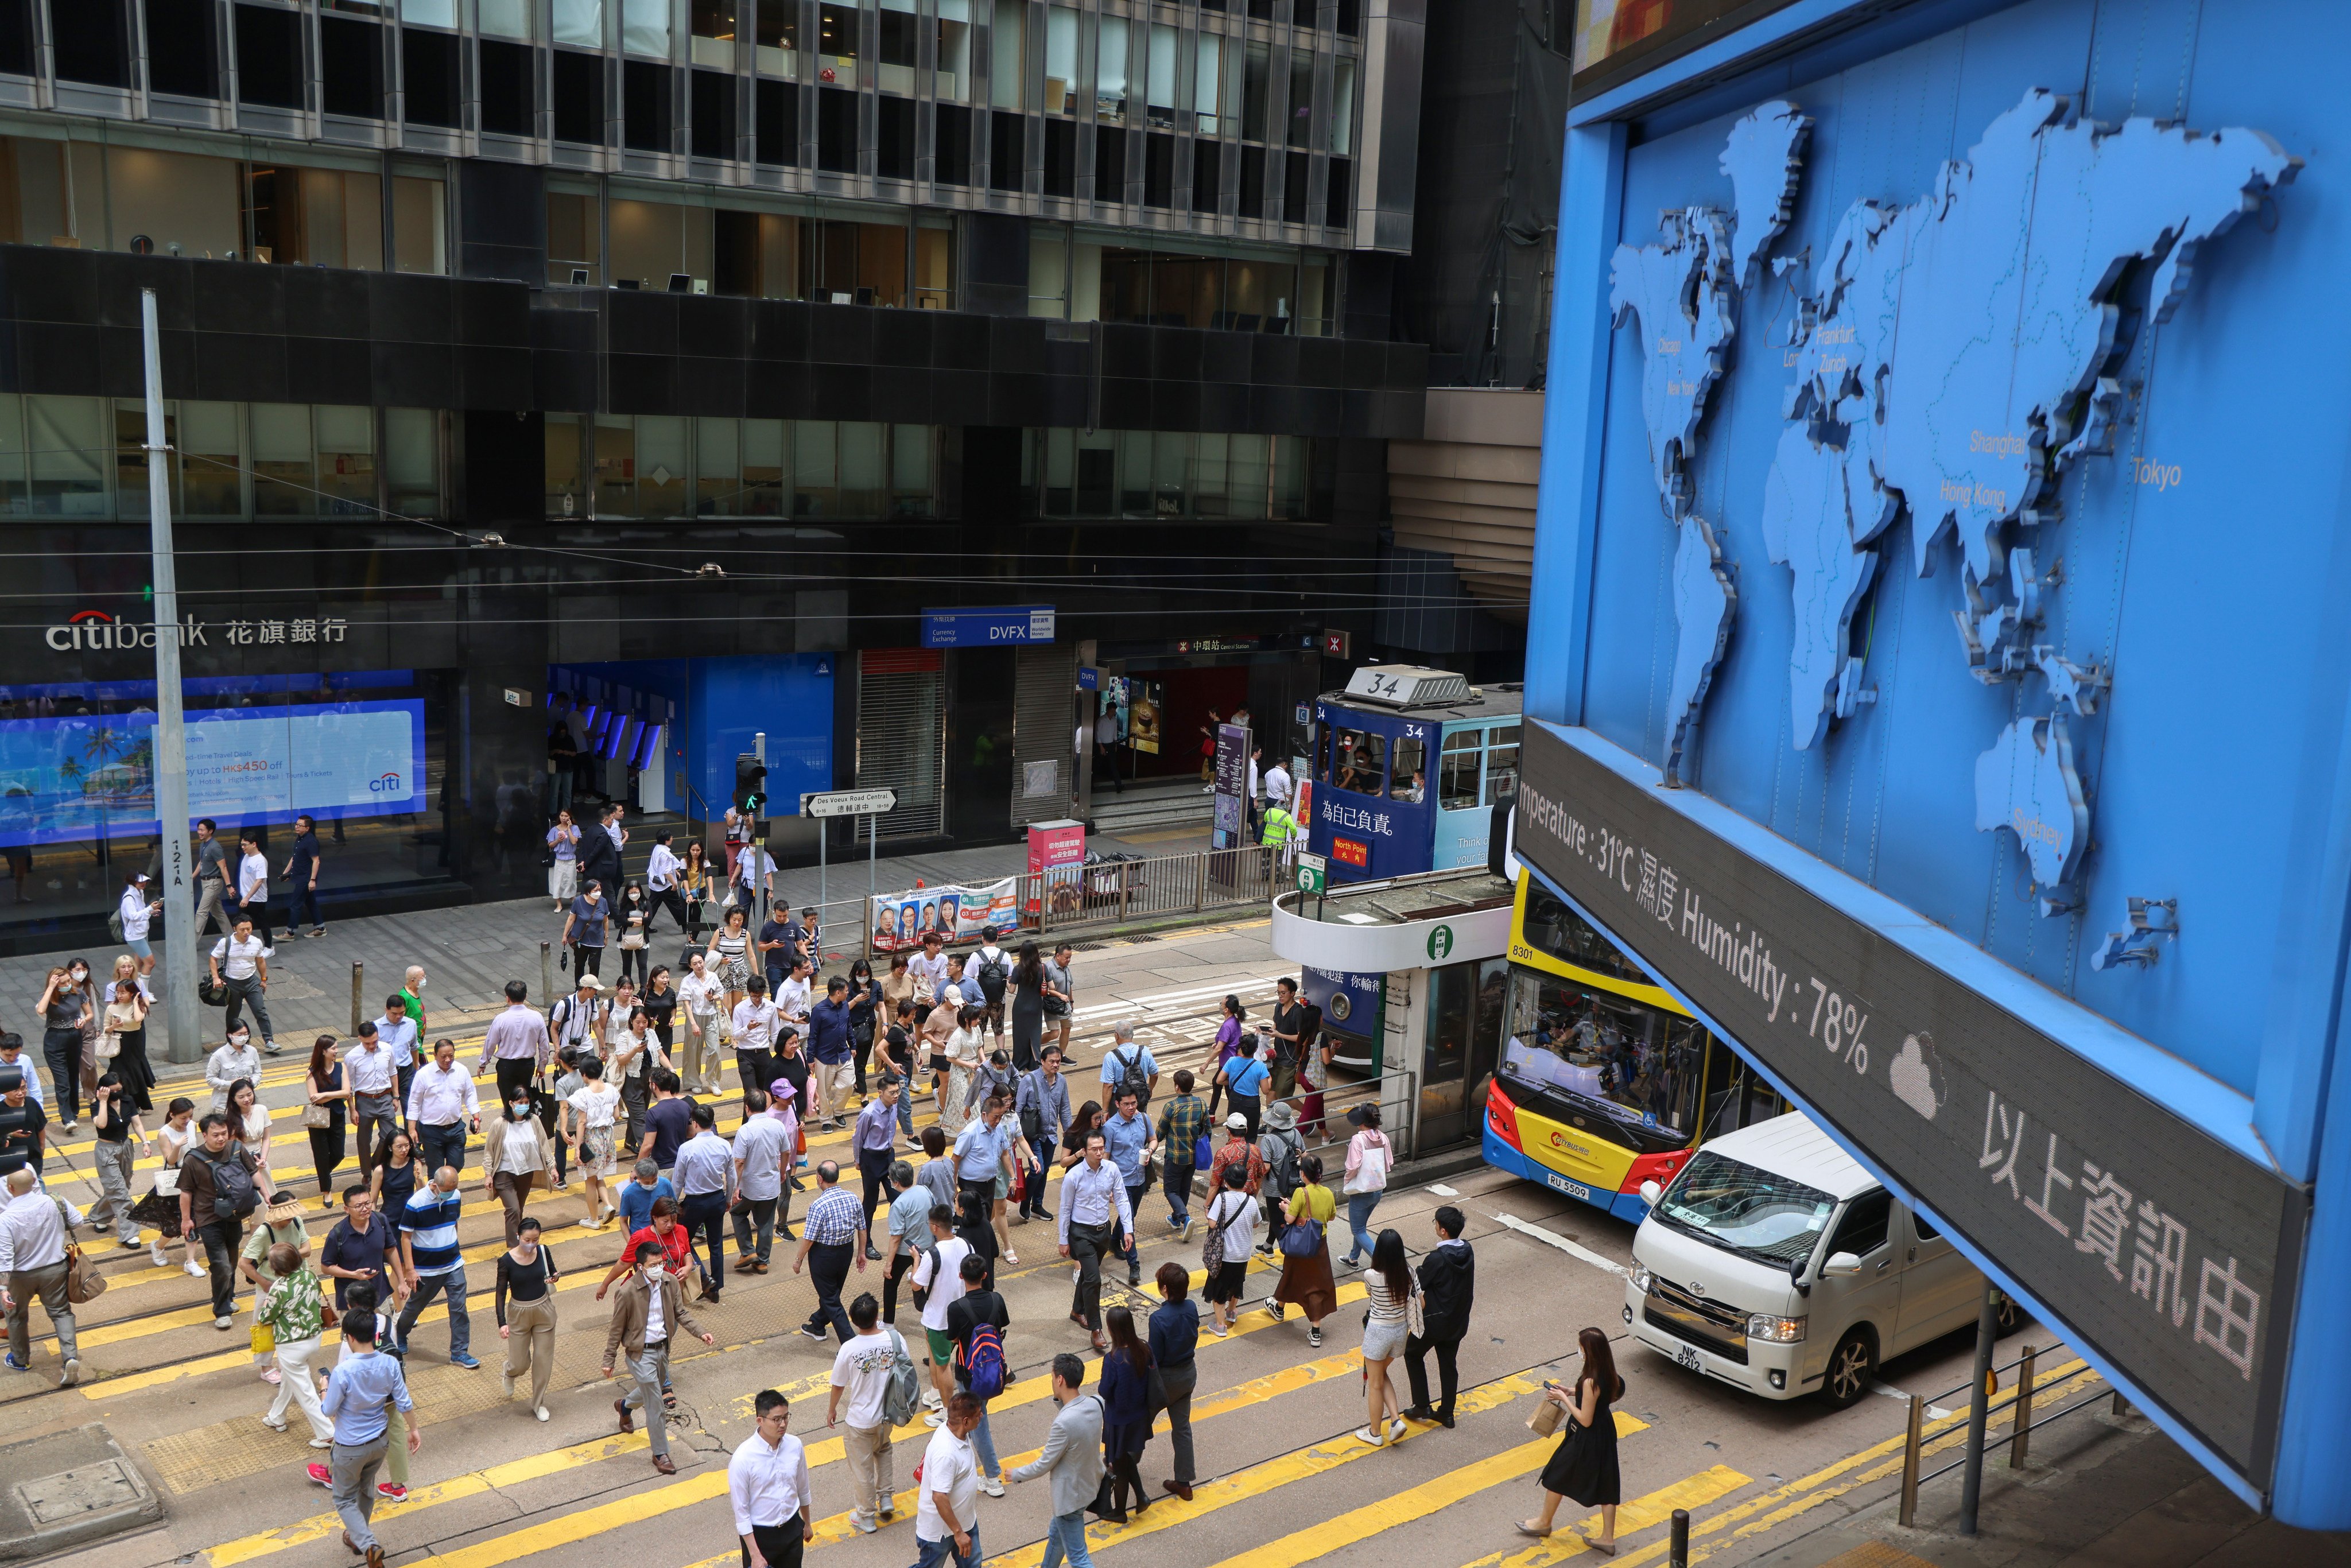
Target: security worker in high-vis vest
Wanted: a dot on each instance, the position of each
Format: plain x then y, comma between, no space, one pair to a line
1280,827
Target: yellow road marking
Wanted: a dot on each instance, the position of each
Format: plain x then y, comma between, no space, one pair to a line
1656,1507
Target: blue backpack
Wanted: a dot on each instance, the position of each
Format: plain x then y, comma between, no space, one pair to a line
983,1365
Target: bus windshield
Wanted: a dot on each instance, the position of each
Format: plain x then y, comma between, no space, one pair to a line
1626,1059
1555,930
1745,1210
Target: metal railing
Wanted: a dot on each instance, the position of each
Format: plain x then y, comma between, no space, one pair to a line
2021,1428
1188,883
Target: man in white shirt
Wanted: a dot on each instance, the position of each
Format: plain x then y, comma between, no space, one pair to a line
793,999
760,1151
754,878
441,1108
938,1279
930,970
767,1482
861,1375
946,1511
1276,785
372,1076
33,1263
704,1172
755,1033
400,1035
660,883
253,885
246,956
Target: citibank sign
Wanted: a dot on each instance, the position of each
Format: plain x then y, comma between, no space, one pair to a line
95,629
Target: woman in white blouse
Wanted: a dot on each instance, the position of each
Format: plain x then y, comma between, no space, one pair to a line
965,1048
703,994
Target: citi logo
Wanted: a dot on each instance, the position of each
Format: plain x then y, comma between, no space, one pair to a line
388,784
97,630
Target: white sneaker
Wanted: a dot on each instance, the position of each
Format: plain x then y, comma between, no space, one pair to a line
506,1384
933,1419
992,1485
1365,1435
72,1374
191,1266
539,1411
163,1261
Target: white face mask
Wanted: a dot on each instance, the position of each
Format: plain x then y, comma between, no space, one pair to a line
239,1039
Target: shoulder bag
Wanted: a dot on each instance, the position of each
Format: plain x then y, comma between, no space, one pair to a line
84,1283
1212,1248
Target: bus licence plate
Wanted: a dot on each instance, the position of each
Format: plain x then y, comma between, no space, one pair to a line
1558,1183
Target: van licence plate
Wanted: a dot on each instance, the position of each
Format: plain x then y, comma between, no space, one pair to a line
1687,1355
1558,1183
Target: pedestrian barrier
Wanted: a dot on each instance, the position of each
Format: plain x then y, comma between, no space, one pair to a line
2019,1431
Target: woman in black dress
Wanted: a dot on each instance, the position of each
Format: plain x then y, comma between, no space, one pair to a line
1028,1008
1584,1467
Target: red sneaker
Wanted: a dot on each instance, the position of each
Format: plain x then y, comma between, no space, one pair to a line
322,1475
391,1493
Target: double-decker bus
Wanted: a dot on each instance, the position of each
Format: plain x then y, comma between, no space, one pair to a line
1603,1081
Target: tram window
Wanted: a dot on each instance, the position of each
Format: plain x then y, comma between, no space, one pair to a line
1636,1061
1567,937
1503,763
1322,754
1411,780
1361,760
1456,770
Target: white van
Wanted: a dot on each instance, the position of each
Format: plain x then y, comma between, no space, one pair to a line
1774,1262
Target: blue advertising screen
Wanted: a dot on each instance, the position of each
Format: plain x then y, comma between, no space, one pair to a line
67,779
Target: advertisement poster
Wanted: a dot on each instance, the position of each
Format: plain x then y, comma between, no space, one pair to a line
1232,787
901,920
1113,698
1147,701
83,778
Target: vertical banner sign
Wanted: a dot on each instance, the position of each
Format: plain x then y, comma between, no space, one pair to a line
1232,787
2165,1252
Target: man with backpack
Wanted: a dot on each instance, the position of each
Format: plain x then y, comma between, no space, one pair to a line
220,1184
876,1378
976,1321
993,967
1283,1149
1128,1068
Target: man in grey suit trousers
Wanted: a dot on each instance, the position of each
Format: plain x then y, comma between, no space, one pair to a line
1073,1457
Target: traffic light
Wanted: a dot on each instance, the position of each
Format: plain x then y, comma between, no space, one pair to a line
750,784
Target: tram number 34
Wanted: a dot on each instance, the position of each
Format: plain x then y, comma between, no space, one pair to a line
1837,1024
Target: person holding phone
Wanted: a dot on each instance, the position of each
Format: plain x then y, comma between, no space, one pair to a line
1583,1466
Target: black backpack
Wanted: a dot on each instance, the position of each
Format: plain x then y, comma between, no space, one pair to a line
993,973
1132,1079
234,1193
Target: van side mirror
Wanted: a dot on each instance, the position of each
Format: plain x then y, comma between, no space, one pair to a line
1651,1192
1840,1266
1796,1273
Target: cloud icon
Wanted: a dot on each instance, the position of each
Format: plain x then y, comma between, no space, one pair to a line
1913,1075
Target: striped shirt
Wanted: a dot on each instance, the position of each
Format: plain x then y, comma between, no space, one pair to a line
835,1217
430,1221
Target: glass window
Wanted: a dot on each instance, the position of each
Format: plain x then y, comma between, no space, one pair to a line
211,463
504,18
863,482
12,453
1360,759
616,466
1097,455
579,23
910,471
1061,472
346,460
1207,79
282,472
566,497
419,224
1256,87
1049,271
776,45
183,205
1501,762
645,28
1861,1229
763,469
1209,477
1061,60
1301,97
1134,474
574,232
1245,459
1109,70
717,469
898,46
814,476
131,456
1456,770
1598,1049
1286,497
429,13
1342,109
1559,931
412,461
1171,456
955,50
1410,781
836,45
662,465
1743,1209
934,268
1159,77
711,25
1007,76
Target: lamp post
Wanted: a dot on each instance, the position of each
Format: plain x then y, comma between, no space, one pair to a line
179,895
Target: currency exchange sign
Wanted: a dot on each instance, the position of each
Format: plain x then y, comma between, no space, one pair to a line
2167,1252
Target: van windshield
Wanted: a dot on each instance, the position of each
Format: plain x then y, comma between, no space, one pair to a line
1745,1210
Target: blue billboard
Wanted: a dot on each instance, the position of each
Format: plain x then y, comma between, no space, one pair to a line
1009,627
1923,406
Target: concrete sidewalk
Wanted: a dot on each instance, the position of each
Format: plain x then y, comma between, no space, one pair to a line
471,951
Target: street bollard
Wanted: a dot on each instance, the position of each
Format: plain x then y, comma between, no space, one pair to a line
2016,1445
359,985
1978,1410
1910,1452
547,974
1677,1544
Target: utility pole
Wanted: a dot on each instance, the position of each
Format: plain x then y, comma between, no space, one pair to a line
177,971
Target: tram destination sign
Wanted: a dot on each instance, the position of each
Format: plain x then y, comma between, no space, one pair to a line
2167,1252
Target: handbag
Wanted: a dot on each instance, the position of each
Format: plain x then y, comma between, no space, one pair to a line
1545,1420
1202,1154
83,1280
1371,1170
317,1116
1212,1248
265,1339
1415,1319
1301,1239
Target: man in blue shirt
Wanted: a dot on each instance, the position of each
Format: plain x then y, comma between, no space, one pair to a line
637,1197
1041,1103
833,1048
1125,1136
982,1150
430,1257
1128,1065
358,1389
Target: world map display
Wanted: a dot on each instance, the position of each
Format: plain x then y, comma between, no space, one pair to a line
1954,357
